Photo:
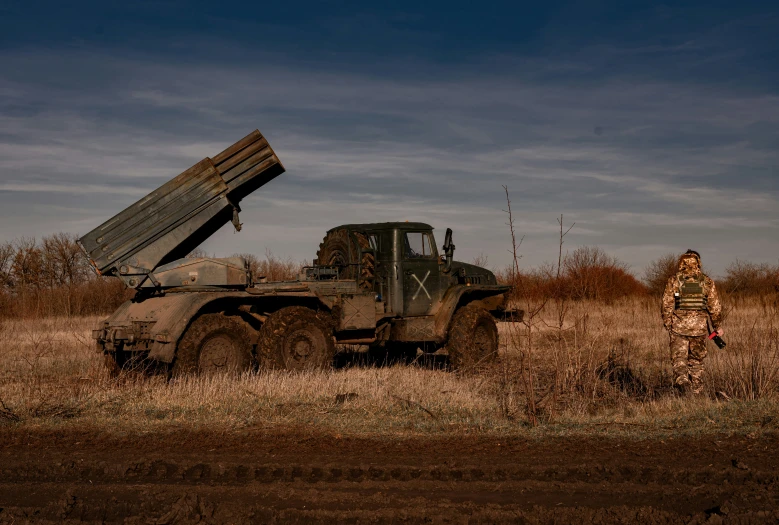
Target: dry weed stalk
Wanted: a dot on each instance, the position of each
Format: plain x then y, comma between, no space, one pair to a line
522,335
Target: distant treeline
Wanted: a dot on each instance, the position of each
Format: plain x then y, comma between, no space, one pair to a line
51,277
590,273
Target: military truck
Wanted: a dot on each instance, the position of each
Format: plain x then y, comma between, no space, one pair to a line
375,285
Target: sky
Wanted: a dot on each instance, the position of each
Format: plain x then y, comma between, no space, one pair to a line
653,127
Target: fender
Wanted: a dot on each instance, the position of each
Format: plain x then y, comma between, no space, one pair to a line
491,295
172,313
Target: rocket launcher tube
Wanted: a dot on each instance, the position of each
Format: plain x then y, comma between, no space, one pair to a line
178,216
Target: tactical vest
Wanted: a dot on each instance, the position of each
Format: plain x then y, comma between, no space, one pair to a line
691,295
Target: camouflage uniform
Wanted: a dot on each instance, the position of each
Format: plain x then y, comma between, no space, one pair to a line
688,295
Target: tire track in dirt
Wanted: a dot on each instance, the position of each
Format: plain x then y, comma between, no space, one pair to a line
176,472
310,481
376,502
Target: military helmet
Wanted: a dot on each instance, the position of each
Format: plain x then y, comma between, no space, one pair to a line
692,252
685,266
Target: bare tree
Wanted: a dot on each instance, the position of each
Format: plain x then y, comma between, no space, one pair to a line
64,261
481,260
27,265
7,252
64,267
197,253
658,272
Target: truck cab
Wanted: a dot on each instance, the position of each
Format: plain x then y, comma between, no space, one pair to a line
420,291
411,277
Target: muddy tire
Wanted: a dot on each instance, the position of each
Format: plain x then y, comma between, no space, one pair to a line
473,338
214,343
296,338
337,249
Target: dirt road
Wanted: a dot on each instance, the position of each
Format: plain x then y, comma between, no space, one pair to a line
255,477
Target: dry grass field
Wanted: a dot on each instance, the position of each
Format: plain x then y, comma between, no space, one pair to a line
603,370
576,423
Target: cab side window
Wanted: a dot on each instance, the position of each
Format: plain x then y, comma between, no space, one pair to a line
418,245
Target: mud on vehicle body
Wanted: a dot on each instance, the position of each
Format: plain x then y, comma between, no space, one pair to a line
374,285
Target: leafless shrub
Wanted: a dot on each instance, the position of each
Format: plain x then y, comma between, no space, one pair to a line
481,260
272,268
197,253
586,273
657,273
591,273
744,278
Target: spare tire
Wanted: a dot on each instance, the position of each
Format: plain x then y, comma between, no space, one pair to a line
342,250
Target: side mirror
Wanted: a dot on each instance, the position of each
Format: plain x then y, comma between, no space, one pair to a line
448,248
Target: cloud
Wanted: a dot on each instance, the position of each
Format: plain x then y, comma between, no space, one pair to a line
73,189
105,129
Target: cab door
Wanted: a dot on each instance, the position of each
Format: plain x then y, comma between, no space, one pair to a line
421,275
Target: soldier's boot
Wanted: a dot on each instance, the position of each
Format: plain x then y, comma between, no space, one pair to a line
682,384
681,372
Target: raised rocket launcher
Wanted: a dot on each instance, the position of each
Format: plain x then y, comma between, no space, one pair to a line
145,244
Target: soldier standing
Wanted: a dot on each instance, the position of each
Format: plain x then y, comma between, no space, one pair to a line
690,299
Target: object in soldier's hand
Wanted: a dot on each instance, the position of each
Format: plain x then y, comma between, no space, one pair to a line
717,340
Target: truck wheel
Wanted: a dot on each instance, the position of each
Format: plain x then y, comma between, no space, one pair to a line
214,343
473,338
337,249
296,338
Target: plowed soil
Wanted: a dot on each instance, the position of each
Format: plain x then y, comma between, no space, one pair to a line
255,477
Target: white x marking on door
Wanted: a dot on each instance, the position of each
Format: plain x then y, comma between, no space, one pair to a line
421,285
